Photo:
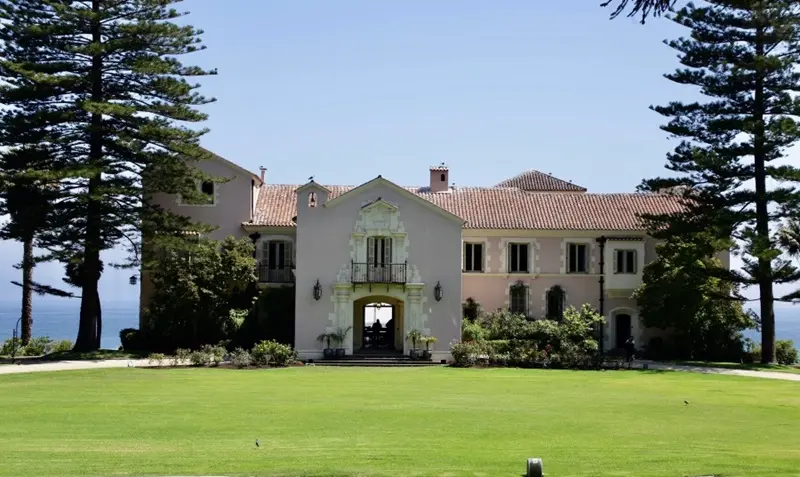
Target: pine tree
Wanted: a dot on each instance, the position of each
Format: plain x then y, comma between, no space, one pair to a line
99,82
26,197
646,8
742,55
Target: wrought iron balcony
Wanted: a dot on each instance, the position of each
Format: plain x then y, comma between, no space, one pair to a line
271,274
384,273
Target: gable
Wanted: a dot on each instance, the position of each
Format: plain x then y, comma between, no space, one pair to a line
379,182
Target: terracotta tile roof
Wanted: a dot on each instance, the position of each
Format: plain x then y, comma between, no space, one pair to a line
500,208
532,180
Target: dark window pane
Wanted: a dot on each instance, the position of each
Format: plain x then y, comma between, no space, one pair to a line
478,257
523,258
468,257
581,253
207,188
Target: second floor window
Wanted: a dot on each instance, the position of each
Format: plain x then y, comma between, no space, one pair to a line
625,261
577,258
277,255
207,195
473,257
518,258
379,251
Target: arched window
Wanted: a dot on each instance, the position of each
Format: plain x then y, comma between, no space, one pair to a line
312,199
555,303
443,178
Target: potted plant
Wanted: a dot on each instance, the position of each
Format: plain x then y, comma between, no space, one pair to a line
428,340
339,336
414,336
327,337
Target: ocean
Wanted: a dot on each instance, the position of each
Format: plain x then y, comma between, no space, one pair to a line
58,319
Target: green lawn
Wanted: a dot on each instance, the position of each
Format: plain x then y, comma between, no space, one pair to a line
398,422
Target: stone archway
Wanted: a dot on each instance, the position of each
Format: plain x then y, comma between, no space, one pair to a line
389,337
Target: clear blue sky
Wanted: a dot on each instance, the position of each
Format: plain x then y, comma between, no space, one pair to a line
351,89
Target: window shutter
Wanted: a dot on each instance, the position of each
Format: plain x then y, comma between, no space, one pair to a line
616,261
634,261
287,255
265,253
370,251
387,251
477,257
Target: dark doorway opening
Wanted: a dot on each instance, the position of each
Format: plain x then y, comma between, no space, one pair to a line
623,329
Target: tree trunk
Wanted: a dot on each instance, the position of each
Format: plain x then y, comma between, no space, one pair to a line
99,323
88,339
27,290
764,273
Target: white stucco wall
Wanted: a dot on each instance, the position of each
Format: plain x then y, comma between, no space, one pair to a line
326,244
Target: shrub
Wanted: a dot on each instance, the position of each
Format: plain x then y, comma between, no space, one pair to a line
133,339
181,356
273,353
472,331
156,358
37,346
215,353
60,346
466,353
241,358
785,352
11,347
752,352
199,358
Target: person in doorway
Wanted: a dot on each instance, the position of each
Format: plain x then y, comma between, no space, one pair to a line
630,349
377,326
390,333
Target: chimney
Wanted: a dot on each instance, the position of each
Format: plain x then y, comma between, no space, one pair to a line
263,173
439,178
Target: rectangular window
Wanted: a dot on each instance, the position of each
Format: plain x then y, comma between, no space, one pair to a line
473,257
577,258
625,261
379,251
518,300
518,258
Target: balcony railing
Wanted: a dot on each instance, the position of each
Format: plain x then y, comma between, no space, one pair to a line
270,274
386,273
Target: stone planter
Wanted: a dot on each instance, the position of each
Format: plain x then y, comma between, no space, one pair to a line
328,353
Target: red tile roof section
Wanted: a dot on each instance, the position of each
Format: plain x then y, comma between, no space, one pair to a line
501,208
532,180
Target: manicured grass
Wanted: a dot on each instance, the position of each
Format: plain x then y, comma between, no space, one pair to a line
750,367
396,422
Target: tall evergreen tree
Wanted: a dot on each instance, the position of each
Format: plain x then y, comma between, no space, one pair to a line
26,197
742,54
645,8
99,82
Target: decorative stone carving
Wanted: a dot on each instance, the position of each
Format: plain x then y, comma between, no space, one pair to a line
413,274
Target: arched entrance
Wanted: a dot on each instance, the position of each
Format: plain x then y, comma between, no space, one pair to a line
378,325
623,325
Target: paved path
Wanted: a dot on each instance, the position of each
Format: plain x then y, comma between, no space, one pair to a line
725,371
70,365
136,363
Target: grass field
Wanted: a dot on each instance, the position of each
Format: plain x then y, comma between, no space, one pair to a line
395,422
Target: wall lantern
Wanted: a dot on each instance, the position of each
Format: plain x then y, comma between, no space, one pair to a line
437,292
317,291
132,280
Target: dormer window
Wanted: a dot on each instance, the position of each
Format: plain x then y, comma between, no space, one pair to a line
312,199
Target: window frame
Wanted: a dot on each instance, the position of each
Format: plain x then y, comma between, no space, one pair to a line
525,291
586,258
512,263
480,263
630,257
562,305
